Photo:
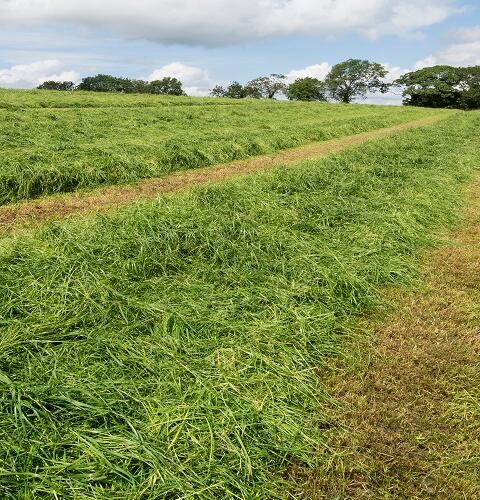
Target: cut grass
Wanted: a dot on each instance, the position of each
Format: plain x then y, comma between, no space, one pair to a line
409,421
22,215
171,350
54,142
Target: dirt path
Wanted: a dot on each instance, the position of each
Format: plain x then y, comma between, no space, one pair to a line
59,206
412,425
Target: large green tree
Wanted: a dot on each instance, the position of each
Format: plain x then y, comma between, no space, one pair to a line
306,89
442,87
354,78
470,97
434,87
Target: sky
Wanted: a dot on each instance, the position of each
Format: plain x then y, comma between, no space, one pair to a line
209,42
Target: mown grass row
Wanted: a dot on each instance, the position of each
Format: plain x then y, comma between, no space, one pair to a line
120,139
25,99
170,350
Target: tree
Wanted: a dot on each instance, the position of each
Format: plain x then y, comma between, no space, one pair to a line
166,86
108,83
470,97
435,87
306,89
102,83
52,85
234,91
132,86
354,78
218,91
442,87
266,87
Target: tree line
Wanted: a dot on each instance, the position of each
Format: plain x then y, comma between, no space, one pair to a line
442,87
435,87
108,83
346,81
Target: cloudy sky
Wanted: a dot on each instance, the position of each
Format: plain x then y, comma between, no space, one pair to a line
204,42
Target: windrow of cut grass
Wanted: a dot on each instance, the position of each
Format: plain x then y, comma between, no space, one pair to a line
25,99
171,349
52,142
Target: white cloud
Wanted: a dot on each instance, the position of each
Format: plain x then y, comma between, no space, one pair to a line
31,75
221,22
319,71
425,62
196,81
470,34
464,51
394,72
457,54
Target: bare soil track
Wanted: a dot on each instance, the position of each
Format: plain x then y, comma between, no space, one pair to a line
60,206
410,414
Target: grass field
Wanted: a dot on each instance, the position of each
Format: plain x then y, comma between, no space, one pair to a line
171,349
59,142
407,416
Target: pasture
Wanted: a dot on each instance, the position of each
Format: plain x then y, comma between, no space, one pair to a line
174,348
55,142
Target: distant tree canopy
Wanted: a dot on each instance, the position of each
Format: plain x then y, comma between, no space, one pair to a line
345,82
166,86
354,78
266,87
435,87
306,89
52,85
442,87
234,91
108,83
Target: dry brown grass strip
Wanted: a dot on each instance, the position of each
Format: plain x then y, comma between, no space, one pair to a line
60,206
411,428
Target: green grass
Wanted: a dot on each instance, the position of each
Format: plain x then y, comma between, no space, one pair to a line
170,350
54,142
